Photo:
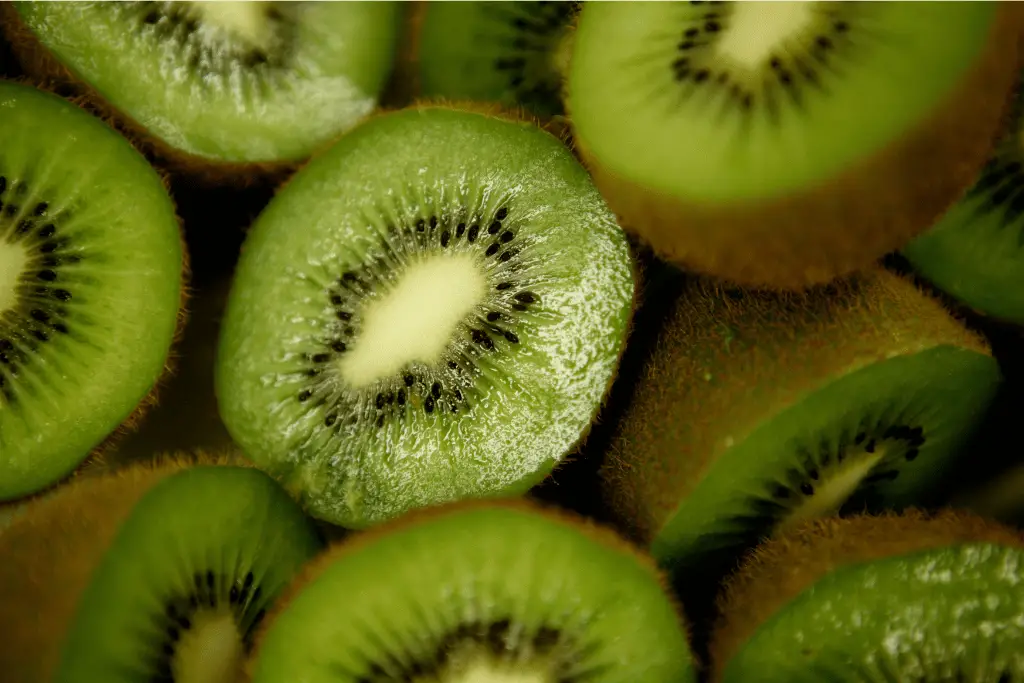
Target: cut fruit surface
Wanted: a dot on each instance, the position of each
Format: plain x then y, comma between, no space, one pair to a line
431,310
907,598
231,82
154,572
759,411
477,594
783,144
91,269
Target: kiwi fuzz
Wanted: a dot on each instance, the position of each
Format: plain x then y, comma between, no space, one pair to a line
768,244
784,567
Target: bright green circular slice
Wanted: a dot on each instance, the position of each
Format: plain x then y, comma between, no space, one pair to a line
90,285
228,81
952,614
479,593
976,250
504,52
715,102
431,310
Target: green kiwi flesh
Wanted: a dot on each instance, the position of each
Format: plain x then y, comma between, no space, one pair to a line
190,558
431,310
91,270
226,82
783,144
503,52
924,610
975,252
758,411
477,593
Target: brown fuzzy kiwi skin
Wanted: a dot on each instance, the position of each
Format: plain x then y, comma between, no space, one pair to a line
359,540
99,456
782,568
50,552
721,366
875,207
45,70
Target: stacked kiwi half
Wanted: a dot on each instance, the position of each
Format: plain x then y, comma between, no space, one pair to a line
663,266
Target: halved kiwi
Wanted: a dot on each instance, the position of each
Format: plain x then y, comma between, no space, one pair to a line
891,598
975,252
431,310
91,286
151,573
781,144
222,90
759,410
507,52
498,591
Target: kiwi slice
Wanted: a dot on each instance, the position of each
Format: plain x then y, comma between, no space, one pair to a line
499,591
975,252
152,573
507,52
783,144
431,310
91,273
889,598
758,410
218,88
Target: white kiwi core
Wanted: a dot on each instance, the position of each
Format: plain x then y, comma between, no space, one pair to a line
211,651
12,263
244,20
836,487
756,29
489,670
416,319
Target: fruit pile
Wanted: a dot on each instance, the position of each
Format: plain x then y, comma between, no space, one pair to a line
511,342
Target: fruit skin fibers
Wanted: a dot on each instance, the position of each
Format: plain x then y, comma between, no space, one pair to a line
848,221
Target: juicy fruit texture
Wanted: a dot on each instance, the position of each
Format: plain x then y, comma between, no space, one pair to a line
784,144
908,598
113,578
976,250
504,52
91,270
226,82
431,310
760,410
477,592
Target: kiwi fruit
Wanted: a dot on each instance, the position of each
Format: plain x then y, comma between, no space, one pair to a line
910,597
758,410
431,310
92,273
507,52
784,144
477,591
216,89
154,572
975,252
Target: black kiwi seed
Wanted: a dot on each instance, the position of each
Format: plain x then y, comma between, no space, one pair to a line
501,214
494,228
493,316
445,237
503,286
474,230
492,250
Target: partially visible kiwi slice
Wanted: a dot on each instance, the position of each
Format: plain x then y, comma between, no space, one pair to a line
91,273
431,310
975,252
497,591
757,411
890,598
507,52
222,89
781,144
1001,497
152,573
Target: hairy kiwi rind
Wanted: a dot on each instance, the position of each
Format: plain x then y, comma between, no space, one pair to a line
794,342
45,71
338,551
781,568
99,456
870,209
